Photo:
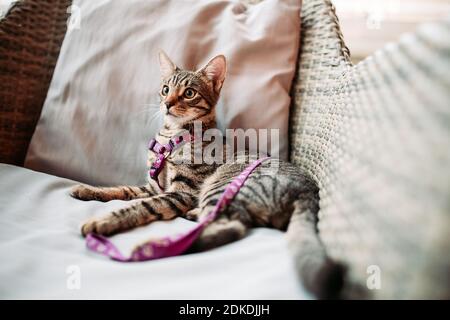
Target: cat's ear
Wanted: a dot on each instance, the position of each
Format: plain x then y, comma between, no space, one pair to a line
166,65
215,70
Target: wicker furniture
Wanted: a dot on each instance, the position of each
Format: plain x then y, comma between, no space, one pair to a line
375,136
30,40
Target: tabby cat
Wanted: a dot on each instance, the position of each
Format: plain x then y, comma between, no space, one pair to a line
279,196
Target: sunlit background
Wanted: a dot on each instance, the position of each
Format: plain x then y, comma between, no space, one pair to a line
368,25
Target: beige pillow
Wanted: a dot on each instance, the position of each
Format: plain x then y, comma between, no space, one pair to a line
96,120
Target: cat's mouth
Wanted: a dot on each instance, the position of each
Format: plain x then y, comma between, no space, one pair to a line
168,113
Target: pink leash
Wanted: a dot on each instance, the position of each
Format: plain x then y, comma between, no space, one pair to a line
175,245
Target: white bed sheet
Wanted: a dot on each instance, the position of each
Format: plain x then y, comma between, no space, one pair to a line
40,239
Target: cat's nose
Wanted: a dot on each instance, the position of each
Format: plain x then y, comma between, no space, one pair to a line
169,104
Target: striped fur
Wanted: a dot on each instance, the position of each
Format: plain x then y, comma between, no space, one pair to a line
276,195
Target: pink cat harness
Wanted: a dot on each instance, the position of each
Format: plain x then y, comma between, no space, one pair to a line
162,151
174,245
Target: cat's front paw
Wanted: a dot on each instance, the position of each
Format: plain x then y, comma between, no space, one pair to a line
193,214
84,192
104,226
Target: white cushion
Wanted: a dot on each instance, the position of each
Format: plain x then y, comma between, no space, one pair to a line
41,249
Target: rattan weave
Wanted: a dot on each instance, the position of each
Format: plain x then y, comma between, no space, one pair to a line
376,137
30,39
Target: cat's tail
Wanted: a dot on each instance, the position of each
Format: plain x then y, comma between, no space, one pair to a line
318,273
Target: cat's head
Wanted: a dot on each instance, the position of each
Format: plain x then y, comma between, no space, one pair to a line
190,95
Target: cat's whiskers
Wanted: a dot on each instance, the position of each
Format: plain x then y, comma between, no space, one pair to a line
151,109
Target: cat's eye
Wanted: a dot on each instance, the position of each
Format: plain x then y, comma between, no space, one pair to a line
165,90
189,93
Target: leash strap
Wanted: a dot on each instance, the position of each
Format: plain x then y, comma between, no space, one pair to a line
175,245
